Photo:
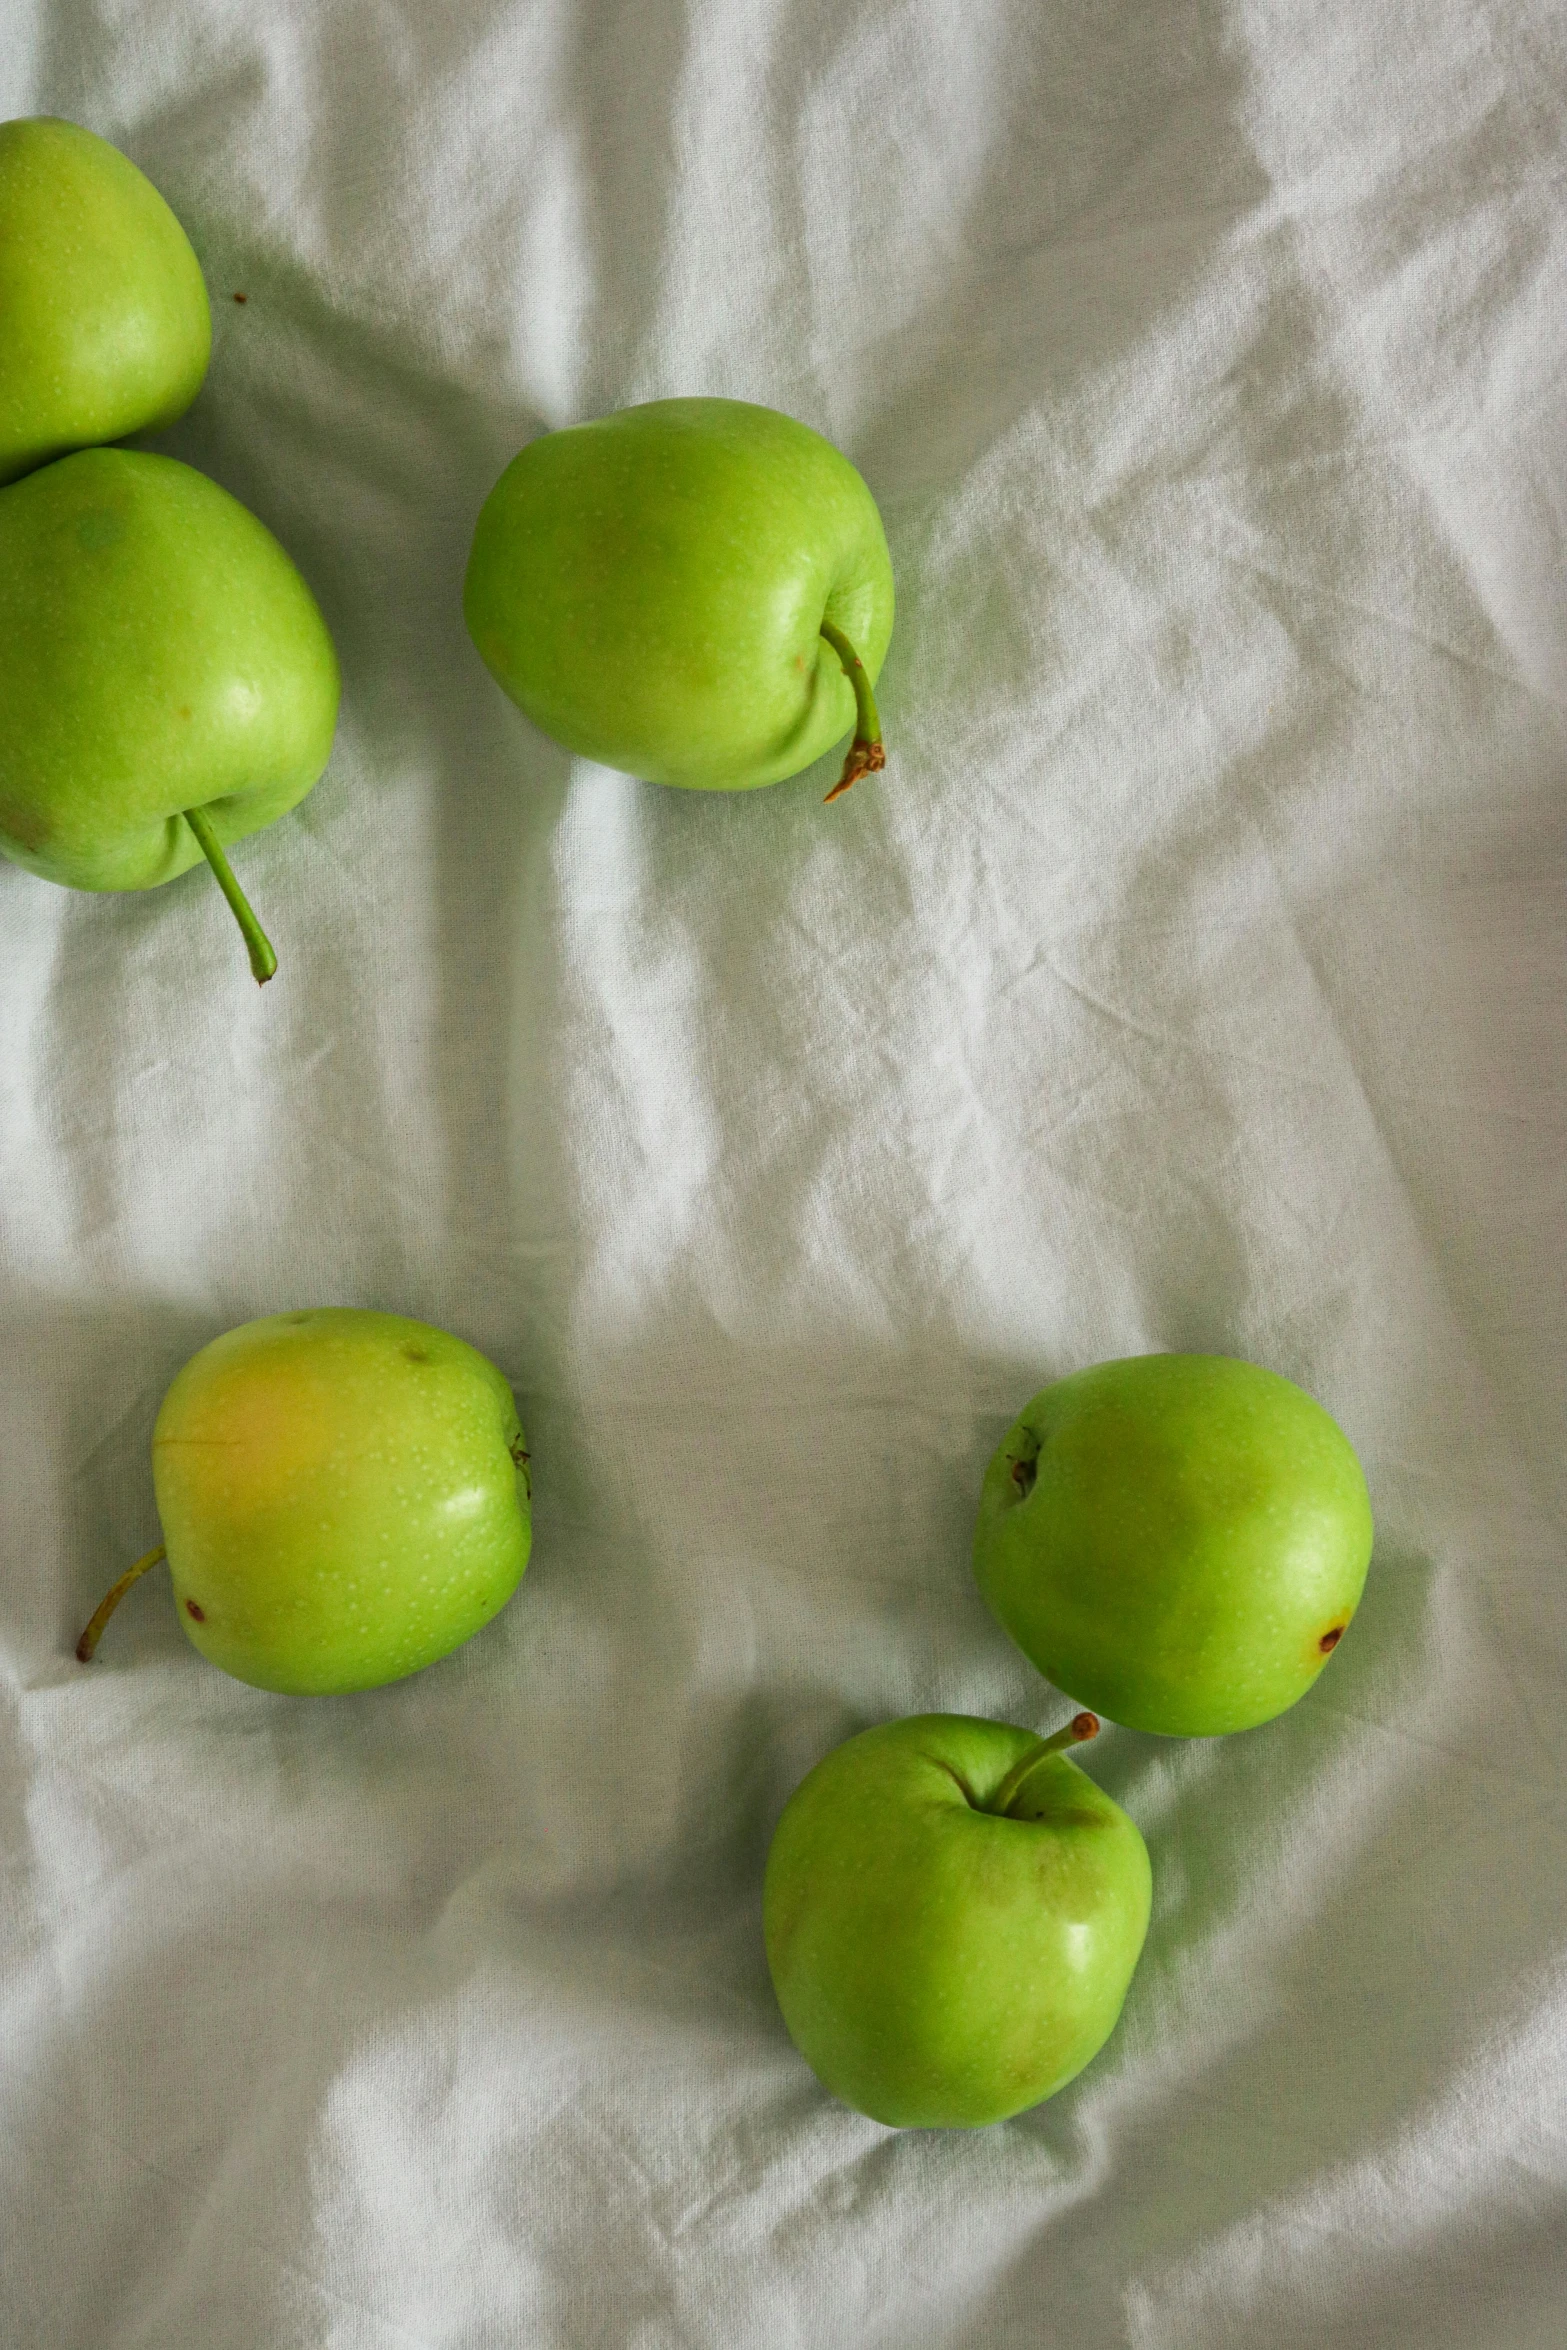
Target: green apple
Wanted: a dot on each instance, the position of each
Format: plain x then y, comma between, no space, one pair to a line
167,683
344,1498
697,591
1178,1540
953,1912
104,324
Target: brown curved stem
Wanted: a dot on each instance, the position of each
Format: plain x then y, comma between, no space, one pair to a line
111,1600
866,753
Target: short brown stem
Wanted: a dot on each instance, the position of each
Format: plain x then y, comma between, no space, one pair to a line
866,753
1082,1726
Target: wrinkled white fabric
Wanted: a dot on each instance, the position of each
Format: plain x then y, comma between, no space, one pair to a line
1192,978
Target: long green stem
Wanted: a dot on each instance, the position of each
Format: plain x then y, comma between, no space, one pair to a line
1081,1726
111,1600
263,962
866,754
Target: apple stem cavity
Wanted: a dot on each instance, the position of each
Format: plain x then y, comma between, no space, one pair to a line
866,754
1080,1727
111,1600
263,962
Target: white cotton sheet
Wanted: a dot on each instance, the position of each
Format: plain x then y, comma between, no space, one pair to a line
1193,978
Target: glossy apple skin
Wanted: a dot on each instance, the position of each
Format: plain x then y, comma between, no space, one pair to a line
1175,1540
938,1966
650,589
104,323
158,651
344,1498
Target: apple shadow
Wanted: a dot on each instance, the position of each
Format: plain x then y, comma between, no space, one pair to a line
81,1463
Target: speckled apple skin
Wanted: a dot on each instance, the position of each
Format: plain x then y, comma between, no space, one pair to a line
940,1967
1178,1541
344,1498
105,327
650,589
158,651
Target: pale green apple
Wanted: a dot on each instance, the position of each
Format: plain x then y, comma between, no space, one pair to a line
167,683
1177,1540
696,591
953,1912
104,323
344,1498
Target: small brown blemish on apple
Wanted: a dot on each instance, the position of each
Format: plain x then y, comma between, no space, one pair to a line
183,711
1331,1638
417,1354
25,825
191,1609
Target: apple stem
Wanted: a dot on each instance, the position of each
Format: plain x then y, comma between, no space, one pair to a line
1079,1728
111,1600
263,962
866,754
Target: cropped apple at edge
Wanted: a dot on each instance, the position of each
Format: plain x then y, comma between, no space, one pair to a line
652,589
344,1498
167,683
159,652
105,327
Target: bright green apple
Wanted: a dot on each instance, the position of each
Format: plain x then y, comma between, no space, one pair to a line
1178,1540
696,591
167,683
952,1912
344,1498
104,323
